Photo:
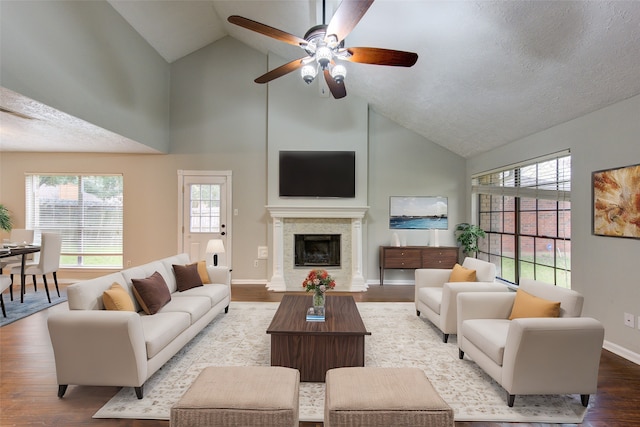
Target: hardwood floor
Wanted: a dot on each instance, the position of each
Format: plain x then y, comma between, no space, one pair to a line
28,382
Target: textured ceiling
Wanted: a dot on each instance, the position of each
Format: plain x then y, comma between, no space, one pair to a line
488,73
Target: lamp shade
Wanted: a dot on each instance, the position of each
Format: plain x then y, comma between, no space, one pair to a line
215,246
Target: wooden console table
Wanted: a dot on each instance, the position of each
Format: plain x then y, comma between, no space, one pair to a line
412,257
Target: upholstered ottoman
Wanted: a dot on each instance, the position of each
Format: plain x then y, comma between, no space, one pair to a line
240,396
383,397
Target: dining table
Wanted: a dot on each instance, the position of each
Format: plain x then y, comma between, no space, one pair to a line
25,250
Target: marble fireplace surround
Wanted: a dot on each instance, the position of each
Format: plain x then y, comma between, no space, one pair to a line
291,220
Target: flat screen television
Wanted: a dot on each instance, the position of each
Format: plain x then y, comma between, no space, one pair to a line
317,174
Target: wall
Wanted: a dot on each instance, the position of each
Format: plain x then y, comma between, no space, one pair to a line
219,122
84,59
603,268
402,163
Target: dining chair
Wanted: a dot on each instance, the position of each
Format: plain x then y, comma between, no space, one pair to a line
48,262
18,235
5,282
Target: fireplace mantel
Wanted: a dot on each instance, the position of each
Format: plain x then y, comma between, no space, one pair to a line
317,211
354,215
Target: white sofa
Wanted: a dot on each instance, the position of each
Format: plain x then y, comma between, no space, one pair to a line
534,355
98,347
435,296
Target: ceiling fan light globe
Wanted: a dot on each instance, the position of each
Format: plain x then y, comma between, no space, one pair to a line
324,56
339,72
308,73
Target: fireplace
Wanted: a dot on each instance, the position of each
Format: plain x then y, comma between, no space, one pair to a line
345,222
317,250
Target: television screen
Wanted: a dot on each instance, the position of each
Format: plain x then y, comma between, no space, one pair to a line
318,174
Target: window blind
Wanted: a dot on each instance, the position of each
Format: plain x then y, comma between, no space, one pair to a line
86,210
546,178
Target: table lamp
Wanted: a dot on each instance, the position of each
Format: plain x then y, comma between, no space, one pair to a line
215,247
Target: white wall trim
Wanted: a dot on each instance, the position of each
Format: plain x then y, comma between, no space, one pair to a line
622,352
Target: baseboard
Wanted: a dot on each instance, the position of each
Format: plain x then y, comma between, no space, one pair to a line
249,282
390,282
622,352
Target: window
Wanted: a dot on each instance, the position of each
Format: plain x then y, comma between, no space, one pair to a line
205,208
87,212
526,212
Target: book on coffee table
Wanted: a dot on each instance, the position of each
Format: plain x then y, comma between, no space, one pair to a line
315,314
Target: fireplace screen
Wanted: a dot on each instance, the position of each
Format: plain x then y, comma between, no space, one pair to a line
317,250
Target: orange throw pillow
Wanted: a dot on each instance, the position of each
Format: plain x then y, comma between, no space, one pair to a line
117,298
462,274
527,305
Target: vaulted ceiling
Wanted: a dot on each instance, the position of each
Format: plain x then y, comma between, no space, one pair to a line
488,73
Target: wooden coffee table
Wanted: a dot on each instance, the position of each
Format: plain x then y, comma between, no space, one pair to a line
315,347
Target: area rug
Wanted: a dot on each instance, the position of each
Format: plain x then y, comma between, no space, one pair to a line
33,302
398,338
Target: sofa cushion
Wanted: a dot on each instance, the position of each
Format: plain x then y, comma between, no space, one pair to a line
462,274
202,271
431,297
87,295
117,298
196,306
162,328
489,335
152,292
527,305
180,259
215,292
187,276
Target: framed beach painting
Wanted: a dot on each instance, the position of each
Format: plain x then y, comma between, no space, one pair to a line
616,202
418,213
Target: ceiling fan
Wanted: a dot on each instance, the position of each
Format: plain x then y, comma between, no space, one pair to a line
324,45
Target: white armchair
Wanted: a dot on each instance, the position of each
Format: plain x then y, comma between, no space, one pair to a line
435,296
536,355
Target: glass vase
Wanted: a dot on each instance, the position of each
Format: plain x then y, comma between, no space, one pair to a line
318,299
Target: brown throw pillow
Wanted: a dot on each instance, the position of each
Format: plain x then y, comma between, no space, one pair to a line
462,274
527,305
152,293
117,298
187,276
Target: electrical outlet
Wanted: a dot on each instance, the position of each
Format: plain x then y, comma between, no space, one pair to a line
235,212
638,322
255,262
629,320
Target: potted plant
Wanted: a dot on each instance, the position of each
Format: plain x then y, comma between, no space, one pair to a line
467,235
5,219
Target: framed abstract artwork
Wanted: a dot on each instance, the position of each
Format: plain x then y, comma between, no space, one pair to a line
616,202
418,213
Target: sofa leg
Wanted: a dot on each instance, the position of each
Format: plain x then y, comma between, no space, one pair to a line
226,309
460,354
445,338
510,399
62,389
138,392
418,313
584,398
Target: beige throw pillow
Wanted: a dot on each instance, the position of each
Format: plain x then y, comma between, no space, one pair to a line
462,274
117,298
527,305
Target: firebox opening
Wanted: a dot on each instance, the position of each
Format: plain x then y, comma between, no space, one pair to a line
317,250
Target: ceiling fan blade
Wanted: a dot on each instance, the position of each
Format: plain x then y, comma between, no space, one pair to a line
338,90
347,17
281,70
267,30
378,56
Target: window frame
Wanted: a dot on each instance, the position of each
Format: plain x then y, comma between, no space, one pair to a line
546,199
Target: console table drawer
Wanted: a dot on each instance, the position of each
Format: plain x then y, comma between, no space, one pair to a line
403,258
439,258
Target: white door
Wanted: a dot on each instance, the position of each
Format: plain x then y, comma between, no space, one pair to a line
205,198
